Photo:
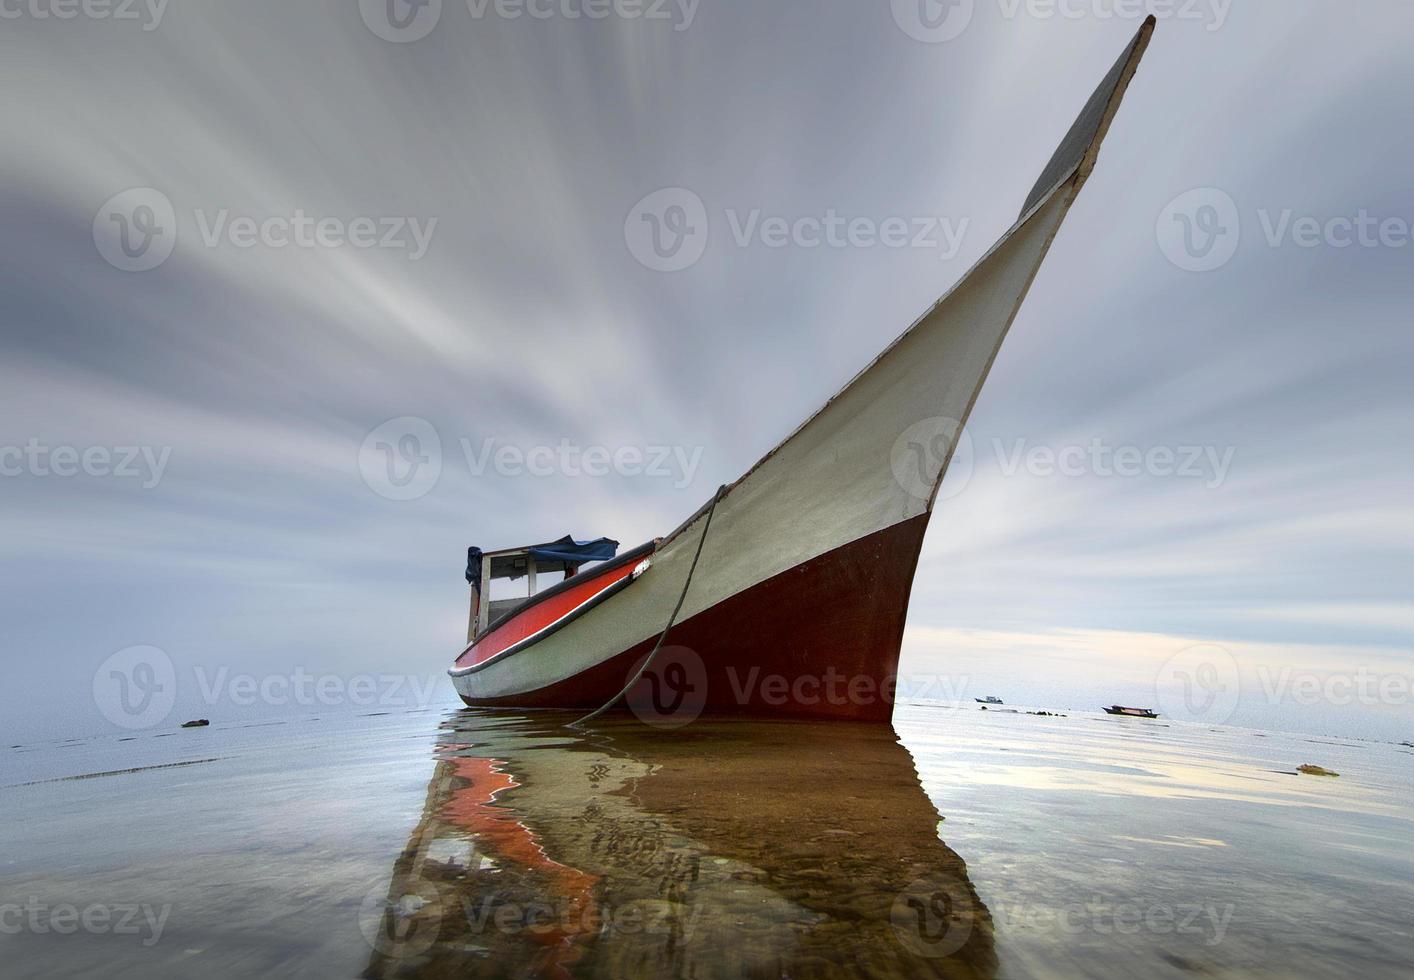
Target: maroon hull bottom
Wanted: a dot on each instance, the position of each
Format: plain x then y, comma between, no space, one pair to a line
818,640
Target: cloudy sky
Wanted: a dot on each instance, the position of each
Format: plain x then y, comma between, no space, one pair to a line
239,238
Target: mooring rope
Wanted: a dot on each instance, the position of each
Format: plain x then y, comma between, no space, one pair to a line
682,596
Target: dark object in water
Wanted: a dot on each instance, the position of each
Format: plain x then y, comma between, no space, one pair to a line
199,723
989,699
1311,770
1118,709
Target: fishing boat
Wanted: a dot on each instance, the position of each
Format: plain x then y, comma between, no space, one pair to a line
989,699
1119,709
786,593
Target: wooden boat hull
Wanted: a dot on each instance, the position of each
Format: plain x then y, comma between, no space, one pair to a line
818,640
794,603
1130,712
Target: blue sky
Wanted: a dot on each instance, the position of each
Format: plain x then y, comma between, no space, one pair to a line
474,272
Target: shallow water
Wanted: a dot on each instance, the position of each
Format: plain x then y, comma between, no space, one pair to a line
960,843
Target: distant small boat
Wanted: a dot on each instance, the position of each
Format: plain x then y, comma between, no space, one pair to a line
989,699
1118,709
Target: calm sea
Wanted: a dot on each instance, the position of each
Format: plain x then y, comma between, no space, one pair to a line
959,843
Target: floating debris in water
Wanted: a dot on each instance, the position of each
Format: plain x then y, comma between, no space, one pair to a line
1311,770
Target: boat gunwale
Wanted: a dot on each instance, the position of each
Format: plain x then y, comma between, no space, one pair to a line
555,590
1079,174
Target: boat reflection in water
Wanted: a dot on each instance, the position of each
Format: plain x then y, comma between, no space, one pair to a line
719,850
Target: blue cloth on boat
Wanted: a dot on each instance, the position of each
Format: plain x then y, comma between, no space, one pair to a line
574,552
551,556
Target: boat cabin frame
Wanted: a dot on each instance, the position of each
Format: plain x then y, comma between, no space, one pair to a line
509,563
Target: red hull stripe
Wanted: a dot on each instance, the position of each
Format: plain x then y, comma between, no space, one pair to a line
542,618
839,615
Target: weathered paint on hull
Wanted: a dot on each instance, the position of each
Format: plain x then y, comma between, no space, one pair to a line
820,640
805,577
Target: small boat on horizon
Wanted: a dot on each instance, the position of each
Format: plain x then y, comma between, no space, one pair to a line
989,699
786,593
1119,709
